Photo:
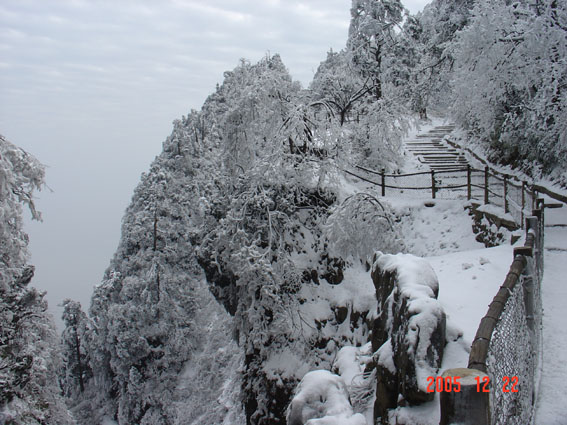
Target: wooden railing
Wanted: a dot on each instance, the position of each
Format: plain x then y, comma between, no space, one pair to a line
487,186
505,352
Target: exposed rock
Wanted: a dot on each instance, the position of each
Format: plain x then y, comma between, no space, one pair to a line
489,228
408,336
341,313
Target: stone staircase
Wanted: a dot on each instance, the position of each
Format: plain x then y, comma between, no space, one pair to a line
432,151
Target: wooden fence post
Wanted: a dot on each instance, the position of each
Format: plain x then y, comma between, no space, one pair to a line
383,174
469,189
506,193
523,201
469,406
486,184
433,189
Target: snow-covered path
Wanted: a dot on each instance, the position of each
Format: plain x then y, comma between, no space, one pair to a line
434,152
550,409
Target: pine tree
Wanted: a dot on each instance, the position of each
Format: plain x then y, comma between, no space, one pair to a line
76,370
29,350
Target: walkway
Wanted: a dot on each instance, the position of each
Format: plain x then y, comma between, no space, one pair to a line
433,151
550,407
439,156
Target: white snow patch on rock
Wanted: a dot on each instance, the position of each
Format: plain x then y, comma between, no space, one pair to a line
416,278
322,399
386,356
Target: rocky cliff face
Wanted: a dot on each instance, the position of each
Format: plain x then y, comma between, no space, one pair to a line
408,335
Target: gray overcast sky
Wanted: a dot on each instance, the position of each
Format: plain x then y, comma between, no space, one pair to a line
90,87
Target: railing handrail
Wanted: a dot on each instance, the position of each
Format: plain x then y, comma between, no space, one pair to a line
537,187
526,270
481,342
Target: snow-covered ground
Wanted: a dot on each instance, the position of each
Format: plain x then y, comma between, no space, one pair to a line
550,403
469,277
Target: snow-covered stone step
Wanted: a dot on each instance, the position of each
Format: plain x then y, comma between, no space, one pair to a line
424,144
443,158
444,164
437,134
432,151
426,150
442,155
447,168
427,136
441,161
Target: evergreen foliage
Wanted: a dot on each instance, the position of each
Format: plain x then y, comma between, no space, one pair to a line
29,349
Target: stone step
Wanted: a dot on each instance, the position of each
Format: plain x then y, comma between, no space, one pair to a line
447,168
427,136
443,158
432,152
450,157
429,153
441,161
434,145
443,154
445,163
432,148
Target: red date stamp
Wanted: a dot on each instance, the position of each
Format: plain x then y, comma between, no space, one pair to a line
449,384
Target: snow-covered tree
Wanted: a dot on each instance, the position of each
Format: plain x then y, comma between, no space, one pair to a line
143,313
76,367
339,87
258,98
238,197
359,226
510,77
436,29
29,350
372,33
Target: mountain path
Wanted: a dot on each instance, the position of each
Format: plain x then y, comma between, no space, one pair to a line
433,151
549,409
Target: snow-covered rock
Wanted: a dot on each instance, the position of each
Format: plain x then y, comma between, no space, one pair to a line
322,399
409,333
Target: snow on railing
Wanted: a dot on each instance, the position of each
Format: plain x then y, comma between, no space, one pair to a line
499,386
